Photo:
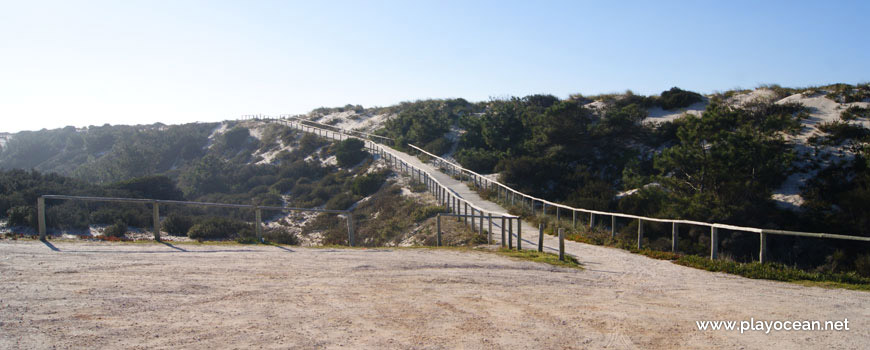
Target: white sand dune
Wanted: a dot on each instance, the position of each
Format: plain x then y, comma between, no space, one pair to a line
659,115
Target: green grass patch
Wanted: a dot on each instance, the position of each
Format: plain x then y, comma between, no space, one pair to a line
655,254
777,272
536,256
754,270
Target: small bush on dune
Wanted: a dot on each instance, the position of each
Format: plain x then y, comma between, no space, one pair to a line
855,113
177,225
219,228
678,98
367,184
280,235
438,146
342,201
118,229
350,152
478,160
421,213
21,216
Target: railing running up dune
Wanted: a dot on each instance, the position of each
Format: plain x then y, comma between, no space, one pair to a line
445,195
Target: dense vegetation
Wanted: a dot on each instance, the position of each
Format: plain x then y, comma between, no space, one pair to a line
227,170
721,166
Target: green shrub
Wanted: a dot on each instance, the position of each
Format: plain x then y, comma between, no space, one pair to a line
283,185
839,132
177,225
421,213
219,228
418,187
118,229
236,137
478,160
438,146
280,235
855,113
350,152
678,98
862,265
67,216
21,216
341,201
133,215
368,184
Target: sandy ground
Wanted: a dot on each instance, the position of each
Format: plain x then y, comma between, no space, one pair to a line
136,296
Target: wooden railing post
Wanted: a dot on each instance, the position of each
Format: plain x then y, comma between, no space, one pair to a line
155,210
612,226
457,208
510,234
540,237
574,219
714,243
502,232
639,234
558,218
675,229
591,220
438,228
519,234
259,227
480,223
489,233
350,228
762,247
562,244
40,213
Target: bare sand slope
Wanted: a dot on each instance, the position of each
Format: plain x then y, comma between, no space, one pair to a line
136,296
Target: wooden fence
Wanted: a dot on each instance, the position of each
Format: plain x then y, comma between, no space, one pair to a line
512,196
155,206
455,204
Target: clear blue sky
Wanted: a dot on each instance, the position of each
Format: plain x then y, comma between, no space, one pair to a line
130,62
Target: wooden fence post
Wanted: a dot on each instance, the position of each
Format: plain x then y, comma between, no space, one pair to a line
574,219
562,244
480,223
762,247
510,234
519,234
639,234
155,210
675,229
714,243
540,237
591,220
458,209
259,227
40,208
438,225
489,233
612,226
502,232
350,228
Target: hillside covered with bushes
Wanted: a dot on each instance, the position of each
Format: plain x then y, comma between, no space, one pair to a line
773,157
234,162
